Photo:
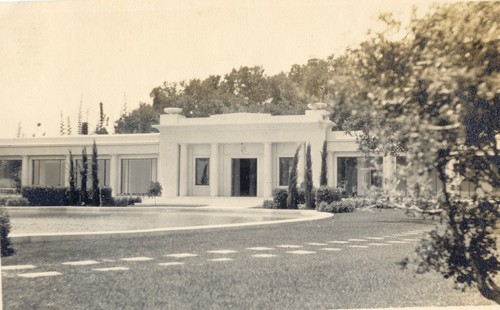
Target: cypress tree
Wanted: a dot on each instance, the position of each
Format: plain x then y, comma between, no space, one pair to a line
323,179
291,201
96,201
84,195
308,180
72,197
5,243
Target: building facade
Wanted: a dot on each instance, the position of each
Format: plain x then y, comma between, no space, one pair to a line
227,155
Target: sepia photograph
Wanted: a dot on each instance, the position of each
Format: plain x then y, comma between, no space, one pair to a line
253,154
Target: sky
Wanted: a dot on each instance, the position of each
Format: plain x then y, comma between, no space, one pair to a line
58,55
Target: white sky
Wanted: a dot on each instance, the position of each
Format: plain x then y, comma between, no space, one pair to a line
54,53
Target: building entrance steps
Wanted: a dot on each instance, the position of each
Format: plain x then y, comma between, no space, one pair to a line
229,202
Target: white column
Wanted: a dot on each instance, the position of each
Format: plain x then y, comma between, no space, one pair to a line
330,167
114,175
169,168
388,172
268,173
25,171
214,170
183,172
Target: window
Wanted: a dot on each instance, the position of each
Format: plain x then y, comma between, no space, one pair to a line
202,168
284,172
137,175
347,174
374,166
48,172
10,173
102,172
401,174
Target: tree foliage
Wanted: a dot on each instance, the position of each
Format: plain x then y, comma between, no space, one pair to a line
96,198
291,201
308,180
73,193
434,96
245,89
84,195
323,179
140,120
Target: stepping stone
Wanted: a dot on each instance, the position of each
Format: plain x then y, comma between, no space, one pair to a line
18,267
375,238
317,243
289,246
222,251
358,240
111,269
181,255
39,274
136,259
264,255
221,259
301,252
397,241
171,264
109,260
339,242
260,248
378,244
411,240
358,246
81,263
331,249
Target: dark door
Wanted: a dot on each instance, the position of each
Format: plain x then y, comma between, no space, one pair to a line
244,177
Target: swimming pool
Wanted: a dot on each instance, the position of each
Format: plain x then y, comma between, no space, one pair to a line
63,220
40,224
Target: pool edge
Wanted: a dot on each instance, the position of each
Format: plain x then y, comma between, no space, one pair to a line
307,215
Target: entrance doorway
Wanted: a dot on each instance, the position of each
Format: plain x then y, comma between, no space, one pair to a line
244,177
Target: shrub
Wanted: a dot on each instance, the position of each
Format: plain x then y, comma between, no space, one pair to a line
107,196
268,204
124,201
45,196
154,189
323,207
280,196
13,200
301,199
6,245
328,194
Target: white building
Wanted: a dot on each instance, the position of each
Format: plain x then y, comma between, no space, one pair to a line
240,154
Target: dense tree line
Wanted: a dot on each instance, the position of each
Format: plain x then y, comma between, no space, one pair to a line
247,89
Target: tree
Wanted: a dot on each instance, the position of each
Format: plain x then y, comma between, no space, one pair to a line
154,190
5,245
434,95
72,194
308,180
61,125
84,195
291,201
140,120
323,180
103,122
96,198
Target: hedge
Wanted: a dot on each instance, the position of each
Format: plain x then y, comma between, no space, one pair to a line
59,196
45,196
13,200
